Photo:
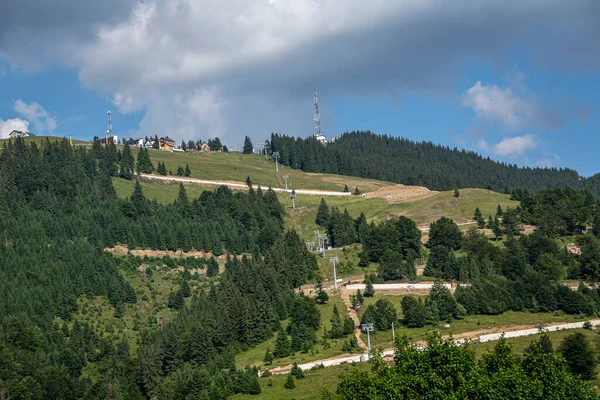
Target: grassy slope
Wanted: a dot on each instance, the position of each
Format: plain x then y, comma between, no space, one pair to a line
308,388
237,166
40,139
255,355
151,307
302,218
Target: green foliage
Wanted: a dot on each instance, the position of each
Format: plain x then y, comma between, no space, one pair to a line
581,358
445,370
403,161
382,314
283,345
248,148
268,359
59,210
144,164
369,290
560,211
296,371
456,193
479,218
290,382
444,232
322,214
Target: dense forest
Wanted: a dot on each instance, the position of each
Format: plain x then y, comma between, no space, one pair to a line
400,160
59,210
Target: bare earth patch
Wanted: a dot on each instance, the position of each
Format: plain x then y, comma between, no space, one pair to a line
123,250
401,193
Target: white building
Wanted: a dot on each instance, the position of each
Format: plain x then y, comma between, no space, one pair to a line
18,134
321,138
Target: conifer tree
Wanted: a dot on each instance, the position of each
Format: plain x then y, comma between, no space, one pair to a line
127,162
289,382
139,201
369,290
248,148
346,190
456,193
185,289
179,170
479,218
213,267
283,345
297,371
268,358
187,171
499,211
322,214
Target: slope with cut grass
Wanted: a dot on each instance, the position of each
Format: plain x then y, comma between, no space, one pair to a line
39,140
261,170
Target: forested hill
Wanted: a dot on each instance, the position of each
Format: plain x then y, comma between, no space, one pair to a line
59,210
437,167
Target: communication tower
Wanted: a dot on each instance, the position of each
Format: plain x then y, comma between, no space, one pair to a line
317,118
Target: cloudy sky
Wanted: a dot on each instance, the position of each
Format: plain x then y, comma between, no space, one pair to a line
518,81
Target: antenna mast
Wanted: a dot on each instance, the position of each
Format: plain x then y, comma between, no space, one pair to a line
317,117
109,130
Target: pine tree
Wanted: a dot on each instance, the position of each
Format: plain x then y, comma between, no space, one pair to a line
297,371
479,218
179,170
322,296
248,182
323,214
185,289
496,228
456,193
356,191
268,358
283,345
187,171
213,267
248,148
144,164
369,290
182,198
127,163
499,211
490,222
139,201
289,382
337,329
346,190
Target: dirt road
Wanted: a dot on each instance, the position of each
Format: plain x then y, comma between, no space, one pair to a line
508,332
241,185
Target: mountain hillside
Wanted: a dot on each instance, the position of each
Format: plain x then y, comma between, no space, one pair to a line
400,160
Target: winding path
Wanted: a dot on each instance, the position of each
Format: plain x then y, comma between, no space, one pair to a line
388,353
241,185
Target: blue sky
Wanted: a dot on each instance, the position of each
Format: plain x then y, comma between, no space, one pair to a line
511,80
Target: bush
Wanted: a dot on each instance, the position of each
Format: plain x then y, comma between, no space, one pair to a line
587,325
266,374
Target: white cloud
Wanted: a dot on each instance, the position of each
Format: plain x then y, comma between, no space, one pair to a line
14,124
238,67
515,146
36,114
493,104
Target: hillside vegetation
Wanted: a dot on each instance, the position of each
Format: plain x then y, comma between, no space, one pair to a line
39,140
261,170
404,161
